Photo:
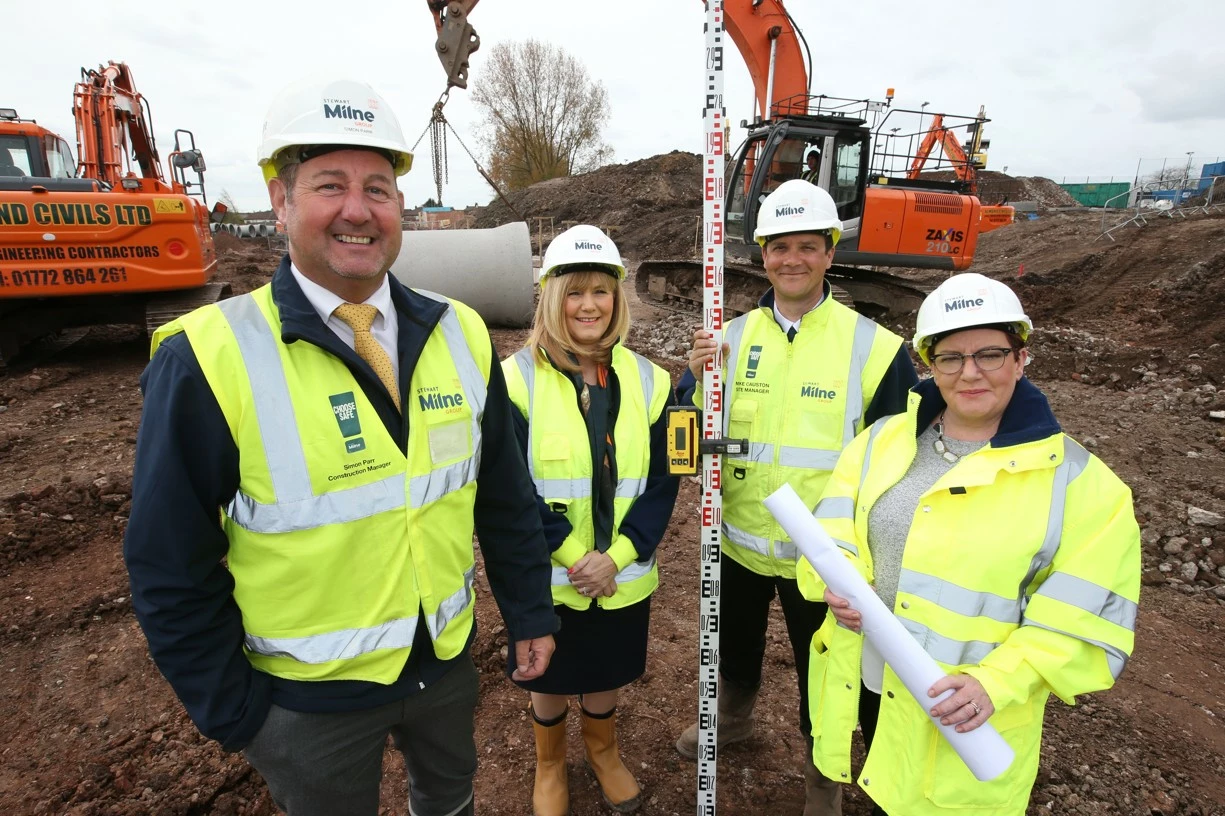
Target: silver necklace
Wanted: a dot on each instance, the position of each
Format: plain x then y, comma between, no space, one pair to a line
938,445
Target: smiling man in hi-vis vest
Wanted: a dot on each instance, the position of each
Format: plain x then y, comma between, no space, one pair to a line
314,458
803,374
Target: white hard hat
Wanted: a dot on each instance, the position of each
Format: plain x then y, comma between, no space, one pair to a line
797,206
965,301
581,247
331,112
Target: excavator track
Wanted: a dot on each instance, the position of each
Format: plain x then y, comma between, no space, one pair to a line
676,284
161,309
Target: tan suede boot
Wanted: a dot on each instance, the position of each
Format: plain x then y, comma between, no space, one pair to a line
822,797
735,719
550,793
620,789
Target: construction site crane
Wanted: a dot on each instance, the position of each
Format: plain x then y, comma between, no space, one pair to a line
889,219
111,240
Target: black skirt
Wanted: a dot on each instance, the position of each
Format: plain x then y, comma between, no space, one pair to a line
597,650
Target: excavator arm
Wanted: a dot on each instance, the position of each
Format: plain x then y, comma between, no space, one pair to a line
112,119
456,38
770,45
965,166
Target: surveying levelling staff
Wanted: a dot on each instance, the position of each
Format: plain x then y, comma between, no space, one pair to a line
1009,551
591,422
334,438
804,374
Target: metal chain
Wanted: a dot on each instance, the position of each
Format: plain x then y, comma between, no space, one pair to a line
437,128
438,149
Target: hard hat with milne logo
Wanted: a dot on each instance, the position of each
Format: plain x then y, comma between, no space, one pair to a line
797,206
579,248
334,113
966,301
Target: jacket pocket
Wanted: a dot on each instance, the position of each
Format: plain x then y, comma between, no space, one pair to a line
554,447
818,666
951,784
740,425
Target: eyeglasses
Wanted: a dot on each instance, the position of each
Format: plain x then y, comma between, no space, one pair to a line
988,359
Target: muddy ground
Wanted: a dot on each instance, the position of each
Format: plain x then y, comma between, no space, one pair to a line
1129,351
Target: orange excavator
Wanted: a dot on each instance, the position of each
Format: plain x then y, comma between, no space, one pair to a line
891,218
110,239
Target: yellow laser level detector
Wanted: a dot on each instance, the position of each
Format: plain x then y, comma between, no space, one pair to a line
686,445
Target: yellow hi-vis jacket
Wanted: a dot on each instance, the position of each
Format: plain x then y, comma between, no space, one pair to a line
338,541
559,460
799,404
1021,568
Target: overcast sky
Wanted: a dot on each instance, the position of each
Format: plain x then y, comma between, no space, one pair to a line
1077,89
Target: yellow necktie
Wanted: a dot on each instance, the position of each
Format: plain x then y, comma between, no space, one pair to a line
360,317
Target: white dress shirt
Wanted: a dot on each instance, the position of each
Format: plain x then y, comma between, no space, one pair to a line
793,324
385,328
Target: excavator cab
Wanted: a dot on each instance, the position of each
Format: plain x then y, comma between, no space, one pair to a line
29,151
776,151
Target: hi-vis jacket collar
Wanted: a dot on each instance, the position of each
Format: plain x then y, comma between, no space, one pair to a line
299,320
1027,418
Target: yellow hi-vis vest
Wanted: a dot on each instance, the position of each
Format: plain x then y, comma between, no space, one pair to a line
559,458
799,404
1021,568
338,541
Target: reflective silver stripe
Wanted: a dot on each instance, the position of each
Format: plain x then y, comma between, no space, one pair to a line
339,507
476,390
958,599
527,367
757,452
646,376
849,547
876,428
432,486
632,572
945,649
563,488
761,546
740,538
732,336
835,507
1093,598
1116,658
451,607
630,488
349,643
340,645
273,405
812,458
1075,460
861,350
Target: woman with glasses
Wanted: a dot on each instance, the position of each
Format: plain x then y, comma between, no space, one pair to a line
1006,549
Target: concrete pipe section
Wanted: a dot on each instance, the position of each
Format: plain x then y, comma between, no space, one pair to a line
488,269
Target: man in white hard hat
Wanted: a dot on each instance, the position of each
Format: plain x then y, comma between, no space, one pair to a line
803,375
314,458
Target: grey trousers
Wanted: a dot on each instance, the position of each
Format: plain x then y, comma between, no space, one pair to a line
332,764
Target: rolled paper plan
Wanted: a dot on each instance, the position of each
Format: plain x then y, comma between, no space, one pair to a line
983,750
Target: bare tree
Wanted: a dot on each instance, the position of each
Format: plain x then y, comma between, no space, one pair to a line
543,115
232,216
1170,176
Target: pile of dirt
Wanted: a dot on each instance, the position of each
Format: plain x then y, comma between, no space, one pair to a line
995,187
651,208
1157,286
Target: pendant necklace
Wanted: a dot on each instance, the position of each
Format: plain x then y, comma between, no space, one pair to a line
939,446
